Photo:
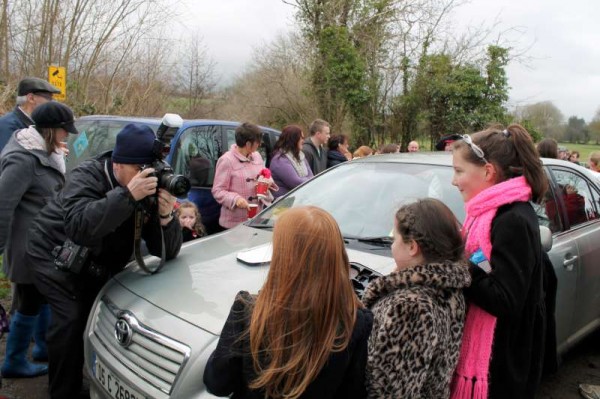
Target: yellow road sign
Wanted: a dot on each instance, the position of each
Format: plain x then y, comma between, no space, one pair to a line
57,76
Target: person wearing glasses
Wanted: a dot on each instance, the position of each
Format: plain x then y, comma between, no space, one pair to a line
31,93
497,173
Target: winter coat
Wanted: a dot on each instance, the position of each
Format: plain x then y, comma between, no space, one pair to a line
419,316
335,158
235,177
513,292
12,121
29,178
285,175
230,367
317,163
94,211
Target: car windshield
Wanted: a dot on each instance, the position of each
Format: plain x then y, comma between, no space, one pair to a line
363,197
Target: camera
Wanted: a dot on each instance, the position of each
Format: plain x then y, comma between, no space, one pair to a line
70,257
176,185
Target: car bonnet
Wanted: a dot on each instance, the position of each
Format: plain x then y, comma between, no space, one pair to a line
199,286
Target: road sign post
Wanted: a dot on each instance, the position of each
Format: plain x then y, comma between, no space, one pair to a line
57,76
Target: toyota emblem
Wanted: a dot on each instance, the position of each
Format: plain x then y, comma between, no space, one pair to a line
123,332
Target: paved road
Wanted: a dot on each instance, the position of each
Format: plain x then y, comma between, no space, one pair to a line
581,365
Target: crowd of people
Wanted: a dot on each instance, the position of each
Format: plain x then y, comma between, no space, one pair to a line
463,315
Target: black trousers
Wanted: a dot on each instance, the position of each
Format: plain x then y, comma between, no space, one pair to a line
27,299
70,297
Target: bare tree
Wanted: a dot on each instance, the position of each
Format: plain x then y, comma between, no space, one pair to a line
195,76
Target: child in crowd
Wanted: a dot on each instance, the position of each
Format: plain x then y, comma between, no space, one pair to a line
190,221
305,334
498,172
419,308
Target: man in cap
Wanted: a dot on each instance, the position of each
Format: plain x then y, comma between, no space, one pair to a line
96,210
31,92
445,142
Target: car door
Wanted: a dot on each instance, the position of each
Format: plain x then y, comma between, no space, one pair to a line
582,213
564,249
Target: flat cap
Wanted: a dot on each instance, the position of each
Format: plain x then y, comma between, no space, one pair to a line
34,85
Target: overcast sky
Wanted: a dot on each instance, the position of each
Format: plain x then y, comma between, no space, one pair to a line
563,38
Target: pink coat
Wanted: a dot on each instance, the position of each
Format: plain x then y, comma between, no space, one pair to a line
235,177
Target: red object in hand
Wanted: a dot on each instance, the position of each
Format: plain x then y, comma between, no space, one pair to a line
266,173
252,210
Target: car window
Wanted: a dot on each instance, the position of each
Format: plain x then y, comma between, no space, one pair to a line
196,154
579,199
363,197
548,211
94,138
263,149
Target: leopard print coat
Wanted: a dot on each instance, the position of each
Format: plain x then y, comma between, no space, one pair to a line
417,329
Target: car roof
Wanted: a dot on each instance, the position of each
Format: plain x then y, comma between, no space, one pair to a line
444,158
156,121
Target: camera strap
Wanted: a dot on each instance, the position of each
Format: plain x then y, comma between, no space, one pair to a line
139,221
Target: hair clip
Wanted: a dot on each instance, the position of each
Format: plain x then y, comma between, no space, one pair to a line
506,133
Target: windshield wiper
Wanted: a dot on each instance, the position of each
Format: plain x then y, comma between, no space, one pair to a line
376,240
260,226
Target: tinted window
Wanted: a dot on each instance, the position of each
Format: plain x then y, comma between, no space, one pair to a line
578,197
196,154
94,138
363,197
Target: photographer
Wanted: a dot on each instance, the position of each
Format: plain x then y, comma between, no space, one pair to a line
96,211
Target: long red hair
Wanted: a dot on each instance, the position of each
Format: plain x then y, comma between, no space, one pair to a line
306,308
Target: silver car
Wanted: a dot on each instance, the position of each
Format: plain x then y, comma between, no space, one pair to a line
150,336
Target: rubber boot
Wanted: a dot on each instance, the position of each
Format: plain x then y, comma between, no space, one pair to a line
40,350
15,363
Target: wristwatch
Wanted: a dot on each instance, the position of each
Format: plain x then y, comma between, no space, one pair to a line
167,215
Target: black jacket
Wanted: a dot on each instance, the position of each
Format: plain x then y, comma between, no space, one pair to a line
513,292
94,211
229,369
335,158
317,159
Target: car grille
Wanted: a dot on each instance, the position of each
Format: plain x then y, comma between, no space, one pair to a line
151,356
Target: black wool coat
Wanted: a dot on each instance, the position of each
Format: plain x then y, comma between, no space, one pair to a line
229,368
514,293
335,158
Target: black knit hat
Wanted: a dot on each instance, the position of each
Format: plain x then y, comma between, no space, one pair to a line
54,114
134,145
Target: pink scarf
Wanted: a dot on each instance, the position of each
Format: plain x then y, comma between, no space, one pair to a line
470,379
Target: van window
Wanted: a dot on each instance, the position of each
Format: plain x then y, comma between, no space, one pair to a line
197,153
94,138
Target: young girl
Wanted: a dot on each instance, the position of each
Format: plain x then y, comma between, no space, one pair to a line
190,221
498,172
305,334
419,308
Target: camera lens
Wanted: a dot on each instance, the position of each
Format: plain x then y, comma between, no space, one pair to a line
178,185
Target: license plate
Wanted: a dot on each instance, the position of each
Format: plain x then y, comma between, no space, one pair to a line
115,387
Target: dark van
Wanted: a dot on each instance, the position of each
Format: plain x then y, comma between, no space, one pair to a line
195,150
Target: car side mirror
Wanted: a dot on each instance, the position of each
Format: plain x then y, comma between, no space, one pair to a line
546,238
